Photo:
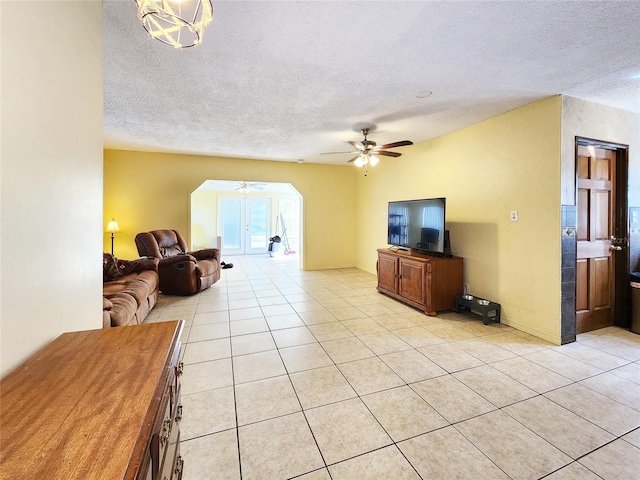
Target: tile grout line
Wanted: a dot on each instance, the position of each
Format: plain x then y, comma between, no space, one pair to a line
235,398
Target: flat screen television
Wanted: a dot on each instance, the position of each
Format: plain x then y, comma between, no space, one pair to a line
419,225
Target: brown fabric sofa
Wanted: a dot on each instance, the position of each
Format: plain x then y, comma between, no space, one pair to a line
130,290
181,272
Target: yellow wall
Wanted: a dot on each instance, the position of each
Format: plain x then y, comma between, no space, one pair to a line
510,162
146,191
51,183
204,212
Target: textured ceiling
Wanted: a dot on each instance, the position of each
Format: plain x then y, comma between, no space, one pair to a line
287,80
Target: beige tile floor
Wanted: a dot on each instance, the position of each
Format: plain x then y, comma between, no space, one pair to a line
315,375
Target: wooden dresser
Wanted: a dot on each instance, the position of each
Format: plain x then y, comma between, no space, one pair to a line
426,282
100,404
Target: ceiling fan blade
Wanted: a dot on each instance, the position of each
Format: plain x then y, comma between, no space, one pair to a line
357,145
387,154
402,143
331,153
354,159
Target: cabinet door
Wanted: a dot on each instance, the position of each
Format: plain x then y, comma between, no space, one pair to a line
412,280
388,272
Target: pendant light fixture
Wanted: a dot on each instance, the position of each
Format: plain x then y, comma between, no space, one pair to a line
179,23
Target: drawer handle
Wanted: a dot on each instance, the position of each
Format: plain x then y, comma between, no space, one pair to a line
180,369
179,466
179,413
166,431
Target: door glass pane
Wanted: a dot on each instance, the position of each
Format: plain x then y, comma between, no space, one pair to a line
231,224
258,224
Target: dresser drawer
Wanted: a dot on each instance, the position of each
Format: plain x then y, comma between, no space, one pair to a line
171,440
166,437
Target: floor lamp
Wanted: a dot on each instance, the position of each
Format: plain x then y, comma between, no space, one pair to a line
112,227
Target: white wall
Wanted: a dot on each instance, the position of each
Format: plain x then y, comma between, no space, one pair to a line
51,173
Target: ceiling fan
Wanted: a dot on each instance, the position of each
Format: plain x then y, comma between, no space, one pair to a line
246,187
367,151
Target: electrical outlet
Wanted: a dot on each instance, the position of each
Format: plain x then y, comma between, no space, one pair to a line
514,215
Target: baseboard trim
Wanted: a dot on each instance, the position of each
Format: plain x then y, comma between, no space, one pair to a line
549,337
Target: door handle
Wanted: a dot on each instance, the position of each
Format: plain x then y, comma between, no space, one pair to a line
615,248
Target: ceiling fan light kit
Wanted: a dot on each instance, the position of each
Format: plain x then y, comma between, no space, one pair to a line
179,23
366,159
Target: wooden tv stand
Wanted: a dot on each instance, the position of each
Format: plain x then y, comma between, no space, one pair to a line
98,404
427,282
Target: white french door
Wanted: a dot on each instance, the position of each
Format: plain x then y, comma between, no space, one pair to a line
244,224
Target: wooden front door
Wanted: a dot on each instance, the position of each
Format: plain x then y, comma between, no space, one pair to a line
595,275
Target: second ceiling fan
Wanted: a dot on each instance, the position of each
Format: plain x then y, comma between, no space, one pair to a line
246,187
367,151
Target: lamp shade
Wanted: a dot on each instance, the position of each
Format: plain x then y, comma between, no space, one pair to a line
112,227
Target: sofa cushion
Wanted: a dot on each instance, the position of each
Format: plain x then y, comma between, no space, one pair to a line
115,286
106,304
170,243
206,268
124,309
149,277
142,264
138,285
170,251
138,290
143,311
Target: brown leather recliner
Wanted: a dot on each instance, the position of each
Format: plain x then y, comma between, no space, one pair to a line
181,272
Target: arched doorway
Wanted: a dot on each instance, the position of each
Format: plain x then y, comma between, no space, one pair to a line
246,215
